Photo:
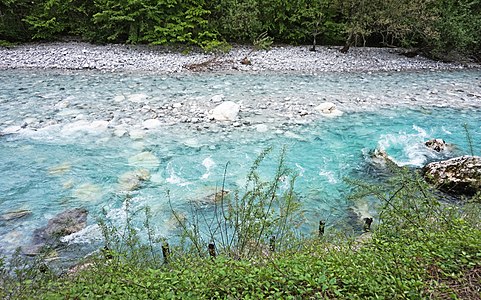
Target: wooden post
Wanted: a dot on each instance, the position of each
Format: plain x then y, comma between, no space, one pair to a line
166,252
367,224
272,243
322,226
211,248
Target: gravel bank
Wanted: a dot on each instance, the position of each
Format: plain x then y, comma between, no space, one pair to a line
127,58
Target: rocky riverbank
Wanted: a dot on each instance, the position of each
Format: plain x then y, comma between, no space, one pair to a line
156,59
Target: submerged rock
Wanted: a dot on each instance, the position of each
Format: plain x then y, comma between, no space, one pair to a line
380,159
213,198
459,175
13,215
63,224
145,160
60,169
226,111
88,192
132,180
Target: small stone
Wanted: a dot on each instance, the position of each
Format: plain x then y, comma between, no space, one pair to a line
151,124
217,98
261,128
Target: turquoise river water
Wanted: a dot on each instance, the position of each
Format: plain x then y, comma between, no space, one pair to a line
70,139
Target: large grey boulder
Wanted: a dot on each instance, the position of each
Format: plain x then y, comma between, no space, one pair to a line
459,175
63,224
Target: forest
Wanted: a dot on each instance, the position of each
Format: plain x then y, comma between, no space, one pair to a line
440,29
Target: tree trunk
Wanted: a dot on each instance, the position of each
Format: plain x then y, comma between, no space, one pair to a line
348,44
313,42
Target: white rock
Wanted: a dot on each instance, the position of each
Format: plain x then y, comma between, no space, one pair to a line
137,134
217,98
328,109
226,111
262,128
151,123
99,125
145,160
95,127
63,104
11,129
120,132
119,98
137,97
177,105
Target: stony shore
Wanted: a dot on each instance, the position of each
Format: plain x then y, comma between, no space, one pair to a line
156,59
134,110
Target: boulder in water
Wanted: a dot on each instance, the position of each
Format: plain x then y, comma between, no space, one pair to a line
215,197
60,169
459,175
437,145
145,160
88,192
13,215
226,111
63,224
132,180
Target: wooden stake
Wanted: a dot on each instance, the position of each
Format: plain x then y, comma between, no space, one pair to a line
211,248
272,243
166,252
367,224
322,226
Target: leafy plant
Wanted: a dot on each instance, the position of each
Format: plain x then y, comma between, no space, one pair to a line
247,224
263,41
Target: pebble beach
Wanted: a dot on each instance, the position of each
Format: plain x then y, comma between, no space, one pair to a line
157,59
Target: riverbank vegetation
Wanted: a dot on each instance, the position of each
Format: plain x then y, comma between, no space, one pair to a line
447,29
422,245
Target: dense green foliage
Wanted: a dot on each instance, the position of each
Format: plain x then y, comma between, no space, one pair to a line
422,247
445,29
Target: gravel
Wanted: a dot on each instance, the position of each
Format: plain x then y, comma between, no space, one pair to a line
134,113
157,59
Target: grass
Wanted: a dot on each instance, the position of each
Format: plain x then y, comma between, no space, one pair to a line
421,247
